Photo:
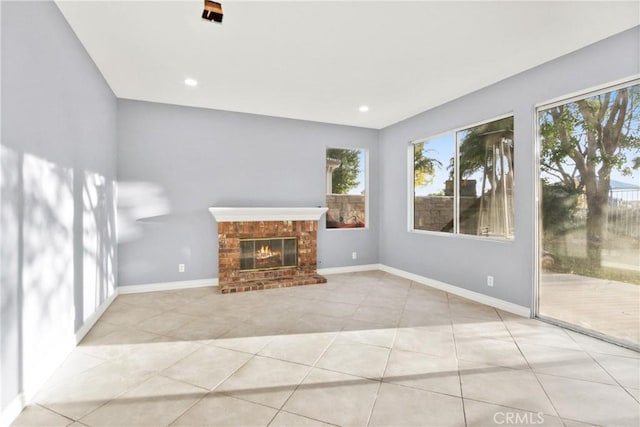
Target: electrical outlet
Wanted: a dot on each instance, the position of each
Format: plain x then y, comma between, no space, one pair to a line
180,268
354,255
489,280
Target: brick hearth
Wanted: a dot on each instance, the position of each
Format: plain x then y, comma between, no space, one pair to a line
231,279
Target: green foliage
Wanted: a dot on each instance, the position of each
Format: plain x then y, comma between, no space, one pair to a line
559,204
589,138
583,267
424,168
582,142
345,177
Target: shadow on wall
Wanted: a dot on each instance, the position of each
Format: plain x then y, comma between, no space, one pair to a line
58,259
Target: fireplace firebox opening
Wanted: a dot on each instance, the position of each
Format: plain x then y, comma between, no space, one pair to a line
268,253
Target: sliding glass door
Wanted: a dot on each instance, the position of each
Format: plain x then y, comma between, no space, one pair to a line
589,227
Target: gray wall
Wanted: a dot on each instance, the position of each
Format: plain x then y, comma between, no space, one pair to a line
465,262
58,247
175,162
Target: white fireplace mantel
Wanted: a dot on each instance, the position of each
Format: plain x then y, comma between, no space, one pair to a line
227,214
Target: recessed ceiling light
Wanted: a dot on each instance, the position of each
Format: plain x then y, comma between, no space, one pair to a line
363,108
190,82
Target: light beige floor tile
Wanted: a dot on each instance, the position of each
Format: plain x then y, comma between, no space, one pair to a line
467,328
118,344
564,363
218,333
490,352
207,367
390,317
391,291
366,333
266,381
34,416
314,323
99,330
594,345
334,398
158,401
419,370
165,301
418,290
90,389
246,338
514,388
425,340
345,295
334,309
591,402
397,405
549,337
201,329
273,320
434,322
145,299
298,348
481,414
379,301
517,323
312,292
465,309
635,392
200,308
158,355
425,305
572,423
165,322
285,419
219,410
357,359
625,370
130,316
76,363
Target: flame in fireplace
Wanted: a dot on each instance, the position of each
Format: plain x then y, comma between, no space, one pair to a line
265,252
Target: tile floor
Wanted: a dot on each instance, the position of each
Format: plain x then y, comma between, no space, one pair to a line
364,349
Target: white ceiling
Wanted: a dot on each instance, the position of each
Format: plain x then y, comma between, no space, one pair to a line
321,60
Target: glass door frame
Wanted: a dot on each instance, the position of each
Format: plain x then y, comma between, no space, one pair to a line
537,227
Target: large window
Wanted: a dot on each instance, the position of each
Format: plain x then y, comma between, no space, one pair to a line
463,181
590,212
346,181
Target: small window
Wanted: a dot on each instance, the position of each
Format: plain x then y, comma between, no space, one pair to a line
463,181
433,206
346,188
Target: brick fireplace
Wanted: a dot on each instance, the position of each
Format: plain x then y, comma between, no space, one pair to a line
256,247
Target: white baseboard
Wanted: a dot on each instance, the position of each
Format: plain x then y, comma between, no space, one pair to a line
167,286
88,324
350,269
461,292
12,410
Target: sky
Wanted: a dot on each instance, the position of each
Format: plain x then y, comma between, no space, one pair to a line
361,175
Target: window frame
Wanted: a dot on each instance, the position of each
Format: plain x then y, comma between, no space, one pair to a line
365,151
456,183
